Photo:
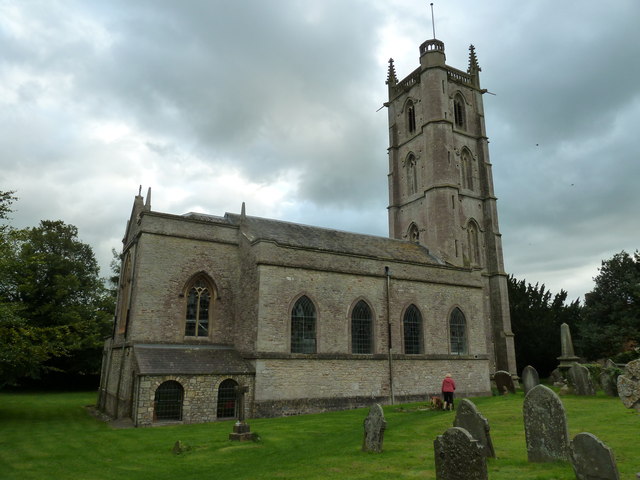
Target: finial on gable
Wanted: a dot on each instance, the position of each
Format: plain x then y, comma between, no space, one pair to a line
243,214
147,203
392,79
140,191
474,69
473,60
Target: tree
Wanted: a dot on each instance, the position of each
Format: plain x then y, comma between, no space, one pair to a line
611,323
536,316
56,309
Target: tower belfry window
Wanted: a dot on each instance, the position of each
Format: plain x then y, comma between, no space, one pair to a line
411,117
459,111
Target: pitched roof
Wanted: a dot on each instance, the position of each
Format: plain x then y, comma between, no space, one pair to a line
325,239
189,359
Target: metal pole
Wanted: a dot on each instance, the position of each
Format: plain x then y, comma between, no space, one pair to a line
433,22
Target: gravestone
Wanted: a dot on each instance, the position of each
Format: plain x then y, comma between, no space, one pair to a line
374,427
580,380
504,382
458,456
629,385
568,356
530,378
556,378
469,418
545,426
592,459
609,378
241,429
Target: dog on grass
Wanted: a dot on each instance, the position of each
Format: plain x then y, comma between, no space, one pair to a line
436,403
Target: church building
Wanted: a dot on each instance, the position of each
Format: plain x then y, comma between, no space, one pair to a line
311,319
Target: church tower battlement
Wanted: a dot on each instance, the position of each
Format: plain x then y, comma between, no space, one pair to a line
440,181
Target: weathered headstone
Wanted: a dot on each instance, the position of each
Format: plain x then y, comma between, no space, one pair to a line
374,427
241,429
469,418
580,380
530,378
556,378
592,459
629,385
504,382
566,344
545,426
609,378
458,456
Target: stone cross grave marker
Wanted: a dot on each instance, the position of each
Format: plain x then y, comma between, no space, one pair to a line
545,426
504,382
566,344
469,418
629,385
592,459
241,429
374,427
580,380
530,378
458,456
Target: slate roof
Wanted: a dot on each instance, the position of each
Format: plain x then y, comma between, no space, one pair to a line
189,359
325,239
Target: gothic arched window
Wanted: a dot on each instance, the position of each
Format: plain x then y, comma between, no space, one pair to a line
474,243
412,174
167,403
227,399
303,326
412,329
200,297
457,332
414,233
467,169
411,116
361,328
459,111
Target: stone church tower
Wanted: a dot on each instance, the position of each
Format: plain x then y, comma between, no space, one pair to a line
440,183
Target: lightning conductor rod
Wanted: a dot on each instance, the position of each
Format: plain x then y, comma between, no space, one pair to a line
433,22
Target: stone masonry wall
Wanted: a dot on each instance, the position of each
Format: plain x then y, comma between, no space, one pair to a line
200,396
335,294
292,387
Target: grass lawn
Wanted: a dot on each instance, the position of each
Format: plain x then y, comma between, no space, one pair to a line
51,436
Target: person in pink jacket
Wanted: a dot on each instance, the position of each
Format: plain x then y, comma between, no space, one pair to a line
448,387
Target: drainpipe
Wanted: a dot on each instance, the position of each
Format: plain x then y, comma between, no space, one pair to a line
387,273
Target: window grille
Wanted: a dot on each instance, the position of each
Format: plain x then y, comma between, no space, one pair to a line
303,326
412,324
361,324
198,302
457,332
227,399
168,401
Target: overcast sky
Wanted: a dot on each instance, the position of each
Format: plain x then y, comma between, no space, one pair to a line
273,103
